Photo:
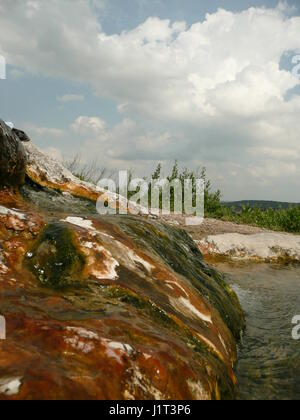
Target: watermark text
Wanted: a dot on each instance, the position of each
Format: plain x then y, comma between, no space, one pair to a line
296,329
2,328
156,197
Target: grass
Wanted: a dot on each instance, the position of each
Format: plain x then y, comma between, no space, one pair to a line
285,220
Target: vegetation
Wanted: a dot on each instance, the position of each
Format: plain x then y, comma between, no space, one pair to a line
273,216
261,204
89,172
286,220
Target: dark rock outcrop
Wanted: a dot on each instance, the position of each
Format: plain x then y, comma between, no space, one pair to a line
21,135
12,157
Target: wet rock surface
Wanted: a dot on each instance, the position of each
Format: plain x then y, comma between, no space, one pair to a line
12,157
211,227
46,172
109,307
55,260
219,240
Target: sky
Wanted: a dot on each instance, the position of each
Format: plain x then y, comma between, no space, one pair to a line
132,83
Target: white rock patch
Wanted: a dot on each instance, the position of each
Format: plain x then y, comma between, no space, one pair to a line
83,333
262,246
110,264
10,386
198,390
140,381
223,343
211,345
137,259
82,340
8,212
184,305
3,268
80,222
115,350
188,305
177,285
131,259
114,345
79,345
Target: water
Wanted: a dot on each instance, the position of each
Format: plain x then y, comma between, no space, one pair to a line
269,359
53,202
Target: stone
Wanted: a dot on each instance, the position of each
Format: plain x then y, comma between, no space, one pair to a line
116,307
12,157
264,246
106,307
47,172
21,135
55,259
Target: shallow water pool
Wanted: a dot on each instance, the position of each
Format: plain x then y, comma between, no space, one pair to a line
269,358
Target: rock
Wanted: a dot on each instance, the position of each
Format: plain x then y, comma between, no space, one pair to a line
265,246
21,135
12,157
46,172
211,227
55,260
130,311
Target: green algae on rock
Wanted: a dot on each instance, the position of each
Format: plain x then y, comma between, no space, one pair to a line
181,253
55,260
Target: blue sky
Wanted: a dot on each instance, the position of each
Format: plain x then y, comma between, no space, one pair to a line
136,82
127,14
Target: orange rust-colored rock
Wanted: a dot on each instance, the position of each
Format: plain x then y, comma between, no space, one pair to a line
143,317
46,172
142,330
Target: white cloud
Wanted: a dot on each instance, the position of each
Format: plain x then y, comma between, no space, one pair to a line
54,153
274,170
159,68
125,141
90,126
275,153
213,91
36,131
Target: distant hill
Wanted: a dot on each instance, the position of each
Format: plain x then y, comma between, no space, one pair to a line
263,205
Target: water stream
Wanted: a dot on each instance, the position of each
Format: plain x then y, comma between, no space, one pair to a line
269,359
